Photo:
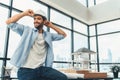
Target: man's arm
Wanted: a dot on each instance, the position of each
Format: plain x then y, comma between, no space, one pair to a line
16,17
58,30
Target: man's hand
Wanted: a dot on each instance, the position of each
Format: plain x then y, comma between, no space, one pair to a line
48,23
58,30
28,12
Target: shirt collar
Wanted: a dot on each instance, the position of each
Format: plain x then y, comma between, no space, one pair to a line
35,29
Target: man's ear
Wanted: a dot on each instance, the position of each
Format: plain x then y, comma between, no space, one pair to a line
45,22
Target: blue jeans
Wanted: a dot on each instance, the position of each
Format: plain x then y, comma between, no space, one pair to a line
41,73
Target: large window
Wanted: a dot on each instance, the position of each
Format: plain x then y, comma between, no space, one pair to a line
106,39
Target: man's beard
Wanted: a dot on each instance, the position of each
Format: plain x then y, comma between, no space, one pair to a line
39,27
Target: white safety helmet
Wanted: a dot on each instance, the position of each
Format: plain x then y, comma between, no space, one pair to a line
41,13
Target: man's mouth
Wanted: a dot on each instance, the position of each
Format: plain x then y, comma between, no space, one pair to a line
36,24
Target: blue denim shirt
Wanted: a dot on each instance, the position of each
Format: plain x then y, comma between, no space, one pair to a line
28,36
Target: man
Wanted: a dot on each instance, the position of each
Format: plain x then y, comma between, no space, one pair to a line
34,54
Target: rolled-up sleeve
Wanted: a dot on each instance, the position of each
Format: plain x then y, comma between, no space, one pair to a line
19,28
56,37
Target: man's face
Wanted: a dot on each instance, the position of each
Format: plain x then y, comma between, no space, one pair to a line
38,22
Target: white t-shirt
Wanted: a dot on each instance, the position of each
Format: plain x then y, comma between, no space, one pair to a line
37,53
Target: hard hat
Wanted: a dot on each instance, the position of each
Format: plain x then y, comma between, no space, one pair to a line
41,13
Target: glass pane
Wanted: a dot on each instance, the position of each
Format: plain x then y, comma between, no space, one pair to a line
92,30
60,19
2,40
109,27
3,17
80,41
100,1
5,1
62,49
90,3
61,65
80,27
105,68
21,4
109,48
93,43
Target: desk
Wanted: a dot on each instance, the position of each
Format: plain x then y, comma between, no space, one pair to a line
10,78
97,79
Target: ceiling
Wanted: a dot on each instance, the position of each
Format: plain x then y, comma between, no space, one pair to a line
109,10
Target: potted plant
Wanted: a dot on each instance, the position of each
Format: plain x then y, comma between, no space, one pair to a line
115,70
